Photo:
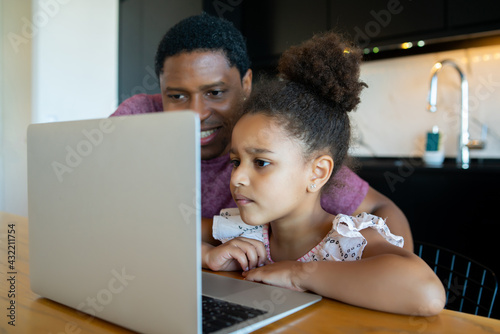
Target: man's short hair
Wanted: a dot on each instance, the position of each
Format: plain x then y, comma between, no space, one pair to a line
204,33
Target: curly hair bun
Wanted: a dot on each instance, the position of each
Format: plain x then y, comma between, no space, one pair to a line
329,66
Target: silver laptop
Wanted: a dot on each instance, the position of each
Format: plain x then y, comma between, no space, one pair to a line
114,226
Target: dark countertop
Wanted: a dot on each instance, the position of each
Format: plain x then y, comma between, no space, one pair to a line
415,163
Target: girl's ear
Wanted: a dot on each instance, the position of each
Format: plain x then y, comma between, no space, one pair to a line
322,168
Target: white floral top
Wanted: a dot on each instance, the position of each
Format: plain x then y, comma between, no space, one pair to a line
344,242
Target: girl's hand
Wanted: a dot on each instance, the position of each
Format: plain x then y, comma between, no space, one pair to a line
236,254
285,274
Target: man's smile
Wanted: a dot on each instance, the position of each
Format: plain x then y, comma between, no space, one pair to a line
206,136
207,133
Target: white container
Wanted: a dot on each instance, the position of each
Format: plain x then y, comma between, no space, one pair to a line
434,153
433,158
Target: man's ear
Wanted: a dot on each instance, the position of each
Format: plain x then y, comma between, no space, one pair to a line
321,170
246,82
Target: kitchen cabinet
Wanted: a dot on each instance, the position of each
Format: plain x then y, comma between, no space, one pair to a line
473,16
271,26
381,22
385,22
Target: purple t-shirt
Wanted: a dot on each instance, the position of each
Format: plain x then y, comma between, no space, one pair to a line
216,173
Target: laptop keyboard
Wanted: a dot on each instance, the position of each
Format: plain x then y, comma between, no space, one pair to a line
219,314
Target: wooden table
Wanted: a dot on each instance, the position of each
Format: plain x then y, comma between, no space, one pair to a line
33,314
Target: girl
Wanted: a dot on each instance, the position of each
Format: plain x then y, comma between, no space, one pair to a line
293,137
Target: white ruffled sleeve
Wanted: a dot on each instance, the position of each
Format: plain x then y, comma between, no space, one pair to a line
345,242
228,225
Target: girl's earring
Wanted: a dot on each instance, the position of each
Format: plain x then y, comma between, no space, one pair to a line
312,186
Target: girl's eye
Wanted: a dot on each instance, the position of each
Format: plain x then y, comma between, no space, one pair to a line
261,163
235,163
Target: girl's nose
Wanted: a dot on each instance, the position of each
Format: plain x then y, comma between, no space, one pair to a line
239,177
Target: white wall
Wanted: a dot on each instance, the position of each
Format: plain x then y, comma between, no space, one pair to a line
75,59
392,119
15,104
59,62
2,195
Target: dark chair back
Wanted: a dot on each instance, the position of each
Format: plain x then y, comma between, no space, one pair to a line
470,286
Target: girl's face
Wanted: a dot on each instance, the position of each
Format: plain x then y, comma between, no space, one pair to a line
270,177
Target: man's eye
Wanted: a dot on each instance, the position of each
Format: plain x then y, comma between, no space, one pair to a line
261,163
235,163
176,97
216,93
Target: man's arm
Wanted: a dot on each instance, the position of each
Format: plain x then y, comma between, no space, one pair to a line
379,205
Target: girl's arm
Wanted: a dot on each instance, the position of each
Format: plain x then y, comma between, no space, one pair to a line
387,278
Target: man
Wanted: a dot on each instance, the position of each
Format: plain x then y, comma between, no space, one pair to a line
202,65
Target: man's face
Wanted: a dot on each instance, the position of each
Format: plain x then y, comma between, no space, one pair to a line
205,83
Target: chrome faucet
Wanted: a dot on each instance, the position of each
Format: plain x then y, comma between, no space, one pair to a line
464,143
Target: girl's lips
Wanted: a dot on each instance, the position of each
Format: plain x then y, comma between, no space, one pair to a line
242,200
206,136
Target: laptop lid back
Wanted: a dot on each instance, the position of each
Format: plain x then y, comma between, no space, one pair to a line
114,218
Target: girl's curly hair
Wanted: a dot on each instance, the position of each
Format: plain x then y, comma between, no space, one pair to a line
318,84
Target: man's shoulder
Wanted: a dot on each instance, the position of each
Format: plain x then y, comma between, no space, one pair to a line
346,193
140,104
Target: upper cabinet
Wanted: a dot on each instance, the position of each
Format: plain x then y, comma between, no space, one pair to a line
270,27
378,26
382,22
474,16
